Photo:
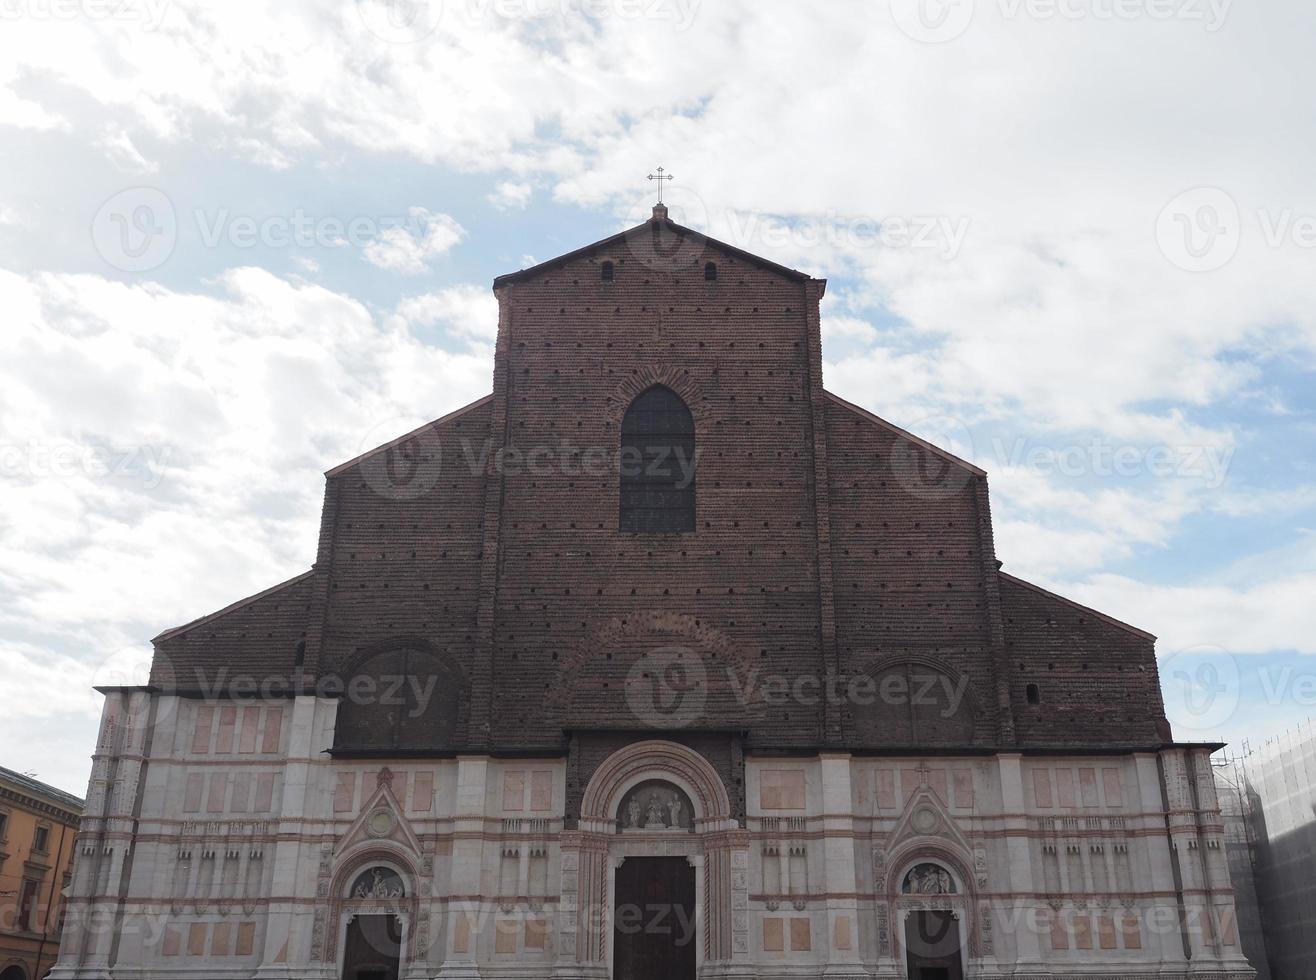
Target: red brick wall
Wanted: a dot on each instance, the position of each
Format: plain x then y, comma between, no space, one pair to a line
1097,679
522,580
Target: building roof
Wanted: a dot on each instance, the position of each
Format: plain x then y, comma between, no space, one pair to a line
36,787
659,219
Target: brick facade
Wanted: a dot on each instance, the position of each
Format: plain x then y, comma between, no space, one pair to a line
855,720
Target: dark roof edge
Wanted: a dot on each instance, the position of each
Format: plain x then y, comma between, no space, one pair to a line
521,275
52,795
407,435
176,630
1078,605
905,433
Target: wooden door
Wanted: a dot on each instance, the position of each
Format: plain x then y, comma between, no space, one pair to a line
654,920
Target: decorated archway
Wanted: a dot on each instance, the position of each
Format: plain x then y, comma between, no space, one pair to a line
657,801
929,881
379,880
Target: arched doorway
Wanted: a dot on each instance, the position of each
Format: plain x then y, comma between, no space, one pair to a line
931,905
655,850
374,907
14,972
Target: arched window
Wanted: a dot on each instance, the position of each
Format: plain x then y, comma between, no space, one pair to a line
657,464
403,698
710,271
606,272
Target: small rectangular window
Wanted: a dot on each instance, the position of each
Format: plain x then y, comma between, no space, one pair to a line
41,841
4,825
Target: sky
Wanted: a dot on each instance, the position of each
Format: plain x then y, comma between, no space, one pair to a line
1073,241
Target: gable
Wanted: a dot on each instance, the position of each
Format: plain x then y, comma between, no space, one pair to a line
659,244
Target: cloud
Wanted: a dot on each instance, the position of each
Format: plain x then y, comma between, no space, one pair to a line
407,250
465,311
510,194
123,153
137,417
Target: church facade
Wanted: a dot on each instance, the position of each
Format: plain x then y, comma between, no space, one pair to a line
660,661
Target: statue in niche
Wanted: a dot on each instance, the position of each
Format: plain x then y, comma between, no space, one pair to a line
655,805
928,879
654,816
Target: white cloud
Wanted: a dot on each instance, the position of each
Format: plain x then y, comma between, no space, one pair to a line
510,194
408,249
123,153
467,312
136,417
1272,615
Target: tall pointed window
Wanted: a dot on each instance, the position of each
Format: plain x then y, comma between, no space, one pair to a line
657,464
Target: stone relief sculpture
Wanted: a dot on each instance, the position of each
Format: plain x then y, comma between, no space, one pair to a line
928,879
655,806
377,883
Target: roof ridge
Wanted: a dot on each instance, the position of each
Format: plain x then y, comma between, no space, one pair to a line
1077,605
931,447
334,471
522,274
175,630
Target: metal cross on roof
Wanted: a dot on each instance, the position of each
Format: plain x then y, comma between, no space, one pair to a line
660,177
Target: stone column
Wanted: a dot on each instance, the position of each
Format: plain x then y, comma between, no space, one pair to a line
1018,877
291,933
838,872
583,910
467,914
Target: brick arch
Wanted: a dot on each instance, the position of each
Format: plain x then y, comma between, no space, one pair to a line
879,665
646,377
446,717
402,641
657,759
613,648
971,710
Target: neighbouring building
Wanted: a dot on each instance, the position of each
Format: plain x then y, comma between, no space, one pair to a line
38,825
1275,788
659,661
1239,808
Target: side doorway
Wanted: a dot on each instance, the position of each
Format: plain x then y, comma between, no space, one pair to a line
373,948
932,946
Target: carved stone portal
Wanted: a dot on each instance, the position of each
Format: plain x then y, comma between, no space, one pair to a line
655,805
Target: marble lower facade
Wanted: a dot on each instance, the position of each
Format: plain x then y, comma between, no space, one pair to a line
222,841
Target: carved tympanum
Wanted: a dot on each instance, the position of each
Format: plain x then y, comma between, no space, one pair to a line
655,805
378,883
928,879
